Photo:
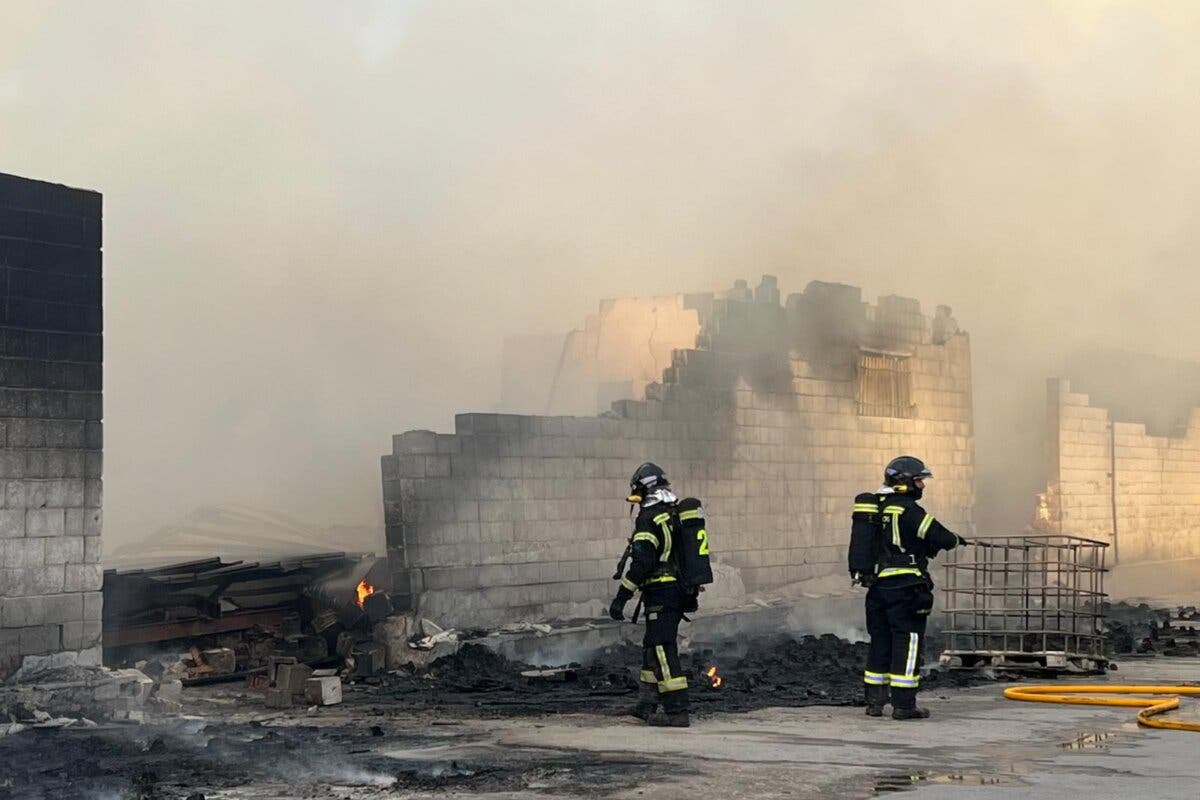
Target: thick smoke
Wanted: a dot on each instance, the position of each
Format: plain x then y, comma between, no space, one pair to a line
322,219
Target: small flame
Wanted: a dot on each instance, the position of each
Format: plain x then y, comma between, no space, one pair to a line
714,679
365,590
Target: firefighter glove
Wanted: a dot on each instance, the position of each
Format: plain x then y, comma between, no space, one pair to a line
616,609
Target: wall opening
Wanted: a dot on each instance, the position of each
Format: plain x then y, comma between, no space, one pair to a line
885,386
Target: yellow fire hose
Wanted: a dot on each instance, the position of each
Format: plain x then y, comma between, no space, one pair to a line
1150,706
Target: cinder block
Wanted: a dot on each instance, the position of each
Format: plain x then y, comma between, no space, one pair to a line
93,606
94,435
92,522
277,698
414,443
63,608
292,677
72,635
45,522
22,553
12,523
65,549
40,639
326,691
14,494
73,521
47,580
12,464
83,578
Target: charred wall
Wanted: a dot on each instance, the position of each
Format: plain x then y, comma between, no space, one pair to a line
50,419
515,516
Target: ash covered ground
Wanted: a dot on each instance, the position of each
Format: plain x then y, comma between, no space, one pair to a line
227,745
768,671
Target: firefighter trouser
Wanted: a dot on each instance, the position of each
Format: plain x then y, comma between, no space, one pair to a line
896,617
663,610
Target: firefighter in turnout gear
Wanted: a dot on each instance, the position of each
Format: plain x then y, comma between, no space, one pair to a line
658,566
892,539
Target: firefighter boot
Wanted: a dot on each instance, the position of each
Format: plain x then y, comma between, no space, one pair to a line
674,713
904,704
877,697
910,713
647,702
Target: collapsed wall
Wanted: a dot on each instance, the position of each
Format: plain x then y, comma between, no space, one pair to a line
777,417
50,420
1111,480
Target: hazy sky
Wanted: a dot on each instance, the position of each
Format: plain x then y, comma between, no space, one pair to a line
321,218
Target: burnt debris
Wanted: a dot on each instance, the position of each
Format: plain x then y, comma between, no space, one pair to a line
769,671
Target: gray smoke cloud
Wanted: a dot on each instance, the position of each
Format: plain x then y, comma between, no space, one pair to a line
322,219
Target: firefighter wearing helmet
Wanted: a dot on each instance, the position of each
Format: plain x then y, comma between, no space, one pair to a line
668,560
891,541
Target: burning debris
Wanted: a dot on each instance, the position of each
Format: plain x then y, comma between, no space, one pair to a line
714,678
283,628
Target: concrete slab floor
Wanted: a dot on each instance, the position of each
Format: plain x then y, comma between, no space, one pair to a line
976,745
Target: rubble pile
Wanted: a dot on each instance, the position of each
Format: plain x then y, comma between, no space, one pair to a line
291,630
1143,630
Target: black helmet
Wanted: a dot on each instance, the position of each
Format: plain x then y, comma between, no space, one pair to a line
901,474
646,478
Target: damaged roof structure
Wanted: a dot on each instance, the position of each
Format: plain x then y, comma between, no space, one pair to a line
775,414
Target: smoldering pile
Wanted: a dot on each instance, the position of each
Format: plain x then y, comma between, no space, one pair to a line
735,676
1144,630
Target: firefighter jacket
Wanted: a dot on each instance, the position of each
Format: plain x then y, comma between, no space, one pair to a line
651,562
893,538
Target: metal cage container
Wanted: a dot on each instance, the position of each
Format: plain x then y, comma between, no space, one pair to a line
1027,603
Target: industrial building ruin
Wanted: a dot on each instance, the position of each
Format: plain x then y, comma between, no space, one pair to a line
775,414
1123,455
50,421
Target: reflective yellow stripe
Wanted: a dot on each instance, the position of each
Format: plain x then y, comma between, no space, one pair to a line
661,518
896,532
668,683
693,514
924,528
673,685
902,682
646,536
893,571
659,579
647,676
875,678
662,662
666,548
910,664
870,508
628,584
893,509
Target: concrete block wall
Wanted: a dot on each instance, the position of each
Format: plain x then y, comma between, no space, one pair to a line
1156,491
523,517
50,419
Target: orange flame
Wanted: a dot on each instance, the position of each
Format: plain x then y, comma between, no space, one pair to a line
365,590
715,680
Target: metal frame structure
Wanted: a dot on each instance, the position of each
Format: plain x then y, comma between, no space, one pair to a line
1030,602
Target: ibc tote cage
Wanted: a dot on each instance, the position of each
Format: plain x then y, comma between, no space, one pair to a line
1026,603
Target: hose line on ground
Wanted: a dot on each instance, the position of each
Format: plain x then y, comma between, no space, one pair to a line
1150,706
